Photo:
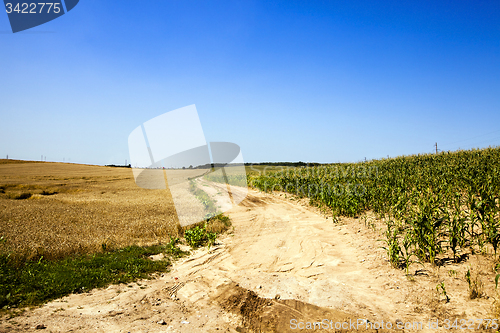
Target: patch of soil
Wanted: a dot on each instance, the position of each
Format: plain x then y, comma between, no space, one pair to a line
276,315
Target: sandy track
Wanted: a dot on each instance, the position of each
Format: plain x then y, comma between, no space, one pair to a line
283,261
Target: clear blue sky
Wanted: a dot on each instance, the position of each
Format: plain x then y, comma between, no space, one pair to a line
323,81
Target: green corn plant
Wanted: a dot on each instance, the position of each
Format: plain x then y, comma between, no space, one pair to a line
490,215
441,289
407,252
473,217
393,249
457,226
492,232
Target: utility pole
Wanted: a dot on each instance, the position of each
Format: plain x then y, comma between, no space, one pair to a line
436,147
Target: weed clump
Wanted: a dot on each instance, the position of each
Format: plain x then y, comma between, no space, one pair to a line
206,234
199,236
475,285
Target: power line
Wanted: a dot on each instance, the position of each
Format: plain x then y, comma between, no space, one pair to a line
489,140
477,144
474,137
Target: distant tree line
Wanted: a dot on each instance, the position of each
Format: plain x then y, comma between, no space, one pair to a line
119,166
221,165
288,164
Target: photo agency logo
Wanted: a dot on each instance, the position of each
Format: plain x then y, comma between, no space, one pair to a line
25,15
170,152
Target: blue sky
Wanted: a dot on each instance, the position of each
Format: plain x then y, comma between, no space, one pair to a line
321,81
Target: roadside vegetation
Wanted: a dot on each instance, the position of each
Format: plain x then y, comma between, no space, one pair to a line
208,203
205,233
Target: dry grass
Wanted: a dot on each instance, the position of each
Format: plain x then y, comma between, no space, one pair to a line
56,209
476,286
495,307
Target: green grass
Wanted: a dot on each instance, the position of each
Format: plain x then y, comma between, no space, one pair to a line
32,283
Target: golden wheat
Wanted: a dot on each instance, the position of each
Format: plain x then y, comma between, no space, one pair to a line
57,209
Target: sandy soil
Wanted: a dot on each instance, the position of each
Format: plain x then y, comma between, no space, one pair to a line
282,262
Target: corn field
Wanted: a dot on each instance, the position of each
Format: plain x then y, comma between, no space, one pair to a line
431,203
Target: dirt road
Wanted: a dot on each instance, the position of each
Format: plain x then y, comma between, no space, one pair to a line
282,267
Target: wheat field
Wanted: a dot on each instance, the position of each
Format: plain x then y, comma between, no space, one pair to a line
58,209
